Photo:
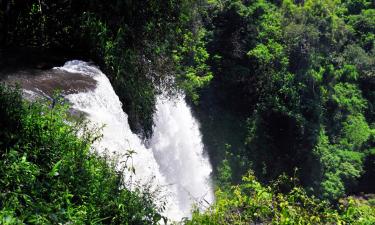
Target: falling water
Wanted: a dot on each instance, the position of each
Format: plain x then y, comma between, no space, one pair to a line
178,149
175,160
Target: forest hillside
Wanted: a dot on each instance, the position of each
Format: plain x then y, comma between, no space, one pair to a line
283,92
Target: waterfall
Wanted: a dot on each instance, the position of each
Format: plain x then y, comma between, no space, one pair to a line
178,149
174,162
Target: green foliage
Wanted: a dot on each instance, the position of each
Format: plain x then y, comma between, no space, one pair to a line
302,73
10,114
299,72
357,211
50,176
267,54
338,168
348,98
224,177
349,73
355,132
192,56
251,202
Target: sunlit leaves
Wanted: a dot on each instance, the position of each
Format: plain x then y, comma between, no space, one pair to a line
355,132
348,98
251,202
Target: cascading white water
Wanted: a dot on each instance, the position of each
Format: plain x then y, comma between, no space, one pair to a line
174,162
178,149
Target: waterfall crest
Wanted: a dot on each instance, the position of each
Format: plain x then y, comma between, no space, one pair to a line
174,162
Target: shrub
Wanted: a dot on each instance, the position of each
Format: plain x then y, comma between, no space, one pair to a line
49,175
252,203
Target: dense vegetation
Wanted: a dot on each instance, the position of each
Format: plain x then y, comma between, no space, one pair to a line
252,203
302,76
280,87
50,176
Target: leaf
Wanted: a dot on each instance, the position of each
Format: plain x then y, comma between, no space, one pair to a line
55,169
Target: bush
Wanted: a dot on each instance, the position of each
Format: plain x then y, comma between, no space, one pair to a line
49,175
253,203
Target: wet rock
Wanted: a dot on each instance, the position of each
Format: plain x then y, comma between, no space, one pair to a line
46,82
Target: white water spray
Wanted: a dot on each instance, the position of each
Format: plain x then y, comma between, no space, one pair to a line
175,160
178,149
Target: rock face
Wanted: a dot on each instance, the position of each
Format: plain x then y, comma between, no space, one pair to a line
36,82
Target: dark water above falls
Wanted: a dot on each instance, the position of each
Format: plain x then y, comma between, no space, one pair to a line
174,163
46,82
